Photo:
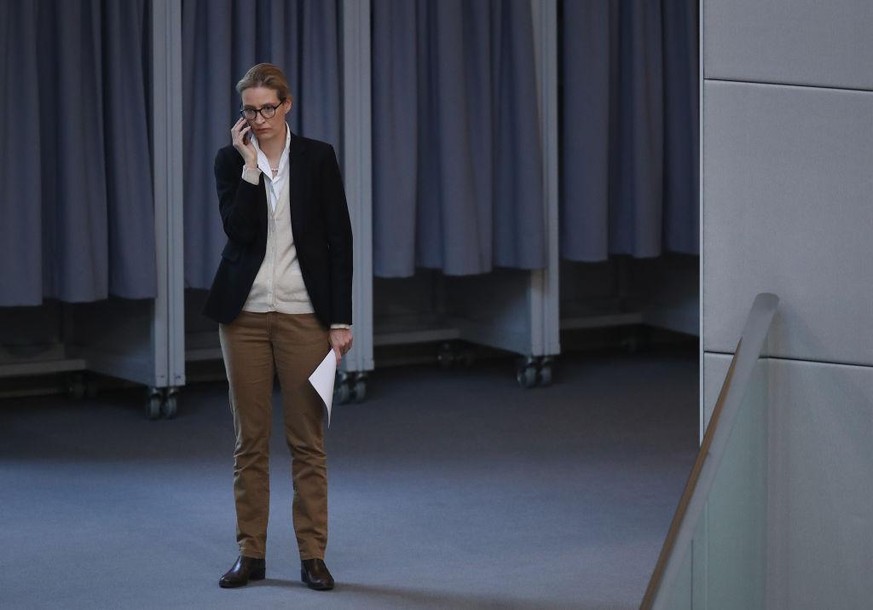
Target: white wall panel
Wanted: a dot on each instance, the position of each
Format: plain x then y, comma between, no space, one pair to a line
788,209
821,497
806,42
715,368
787,192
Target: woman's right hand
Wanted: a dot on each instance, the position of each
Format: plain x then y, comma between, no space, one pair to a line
240,135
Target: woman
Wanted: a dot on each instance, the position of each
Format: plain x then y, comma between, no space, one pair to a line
282,297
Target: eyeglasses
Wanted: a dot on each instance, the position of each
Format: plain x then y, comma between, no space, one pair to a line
268,111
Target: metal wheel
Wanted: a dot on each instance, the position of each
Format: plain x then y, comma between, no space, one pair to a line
545,376
360,389
153,404
527,376
342,392
170,404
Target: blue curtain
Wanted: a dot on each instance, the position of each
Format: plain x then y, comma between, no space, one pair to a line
221,40
75,182
629,128
456,144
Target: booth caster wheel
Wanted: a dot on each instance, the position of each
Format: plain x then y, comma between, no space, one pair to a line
535,371
153,404
349,387
170,405
342,392
527,375
545,373
359,390
162,402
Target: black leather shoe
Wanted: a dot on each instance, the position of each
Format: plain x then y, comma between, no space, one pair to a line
244,570
316,575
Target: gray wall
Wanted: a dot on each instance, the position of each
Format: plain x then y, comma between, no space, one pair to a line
787,196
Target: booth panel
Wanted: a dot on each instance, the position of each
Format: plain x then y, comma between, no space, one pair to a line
115,338
661,292
672,287
112,337
494,309
596,288
491,309
201,333
787,210
33,341
805,42
26,332
404,308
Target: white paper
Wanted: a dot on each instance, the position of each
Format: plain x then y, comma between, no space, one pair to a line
322,380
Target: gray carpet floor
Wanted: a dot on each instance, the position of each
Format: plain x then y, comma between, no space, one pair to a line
449,489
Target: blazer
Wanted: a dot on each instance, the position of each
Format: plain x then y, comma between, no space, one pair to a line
319,223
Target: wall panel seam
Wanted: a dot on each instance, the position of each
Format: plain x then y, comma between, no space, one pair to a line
786,84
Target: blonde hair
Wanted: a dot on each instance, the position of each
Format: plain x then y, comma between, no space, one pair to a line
266,75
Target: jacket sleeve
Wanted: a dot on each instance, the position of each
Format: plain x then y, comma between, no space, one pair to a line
339,238
237,199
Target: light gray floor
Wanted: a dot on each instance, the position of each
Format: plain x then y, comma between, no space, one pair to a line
449,489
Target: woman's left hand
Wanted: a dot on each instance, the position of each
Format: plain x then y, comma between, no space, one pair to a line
340,342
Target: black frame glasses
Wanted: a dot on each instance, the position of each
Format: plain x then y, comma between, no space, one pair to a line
268,111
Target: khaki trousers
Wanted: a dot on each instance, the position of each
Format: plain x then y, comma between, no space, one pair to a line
256,348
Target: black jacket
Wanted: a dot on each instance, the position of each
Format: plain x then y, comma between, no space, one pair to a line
319,223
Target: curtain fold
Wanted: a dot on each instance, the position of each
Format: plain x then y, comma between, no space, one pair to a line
629,129
457,173
127,106
221,40
681,112
21,171
395,103
77,198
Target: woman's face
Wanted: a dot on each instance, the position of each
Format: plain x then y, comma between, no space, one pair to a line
257,98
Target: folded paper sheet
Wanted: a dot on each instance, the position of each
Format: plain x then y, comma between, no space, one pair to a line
322,380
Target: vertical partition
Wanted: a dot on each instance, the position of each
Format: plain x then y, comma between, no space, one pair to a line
358,166
168,330
544,284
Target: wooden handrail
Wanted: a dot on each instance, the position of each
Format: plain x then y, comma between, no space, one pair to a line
699,483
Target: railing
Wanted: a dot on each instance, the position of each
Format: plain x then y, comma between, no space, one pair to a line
710,457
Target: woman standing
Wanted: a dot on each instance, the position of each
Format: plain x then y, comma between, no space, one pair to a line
282,297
